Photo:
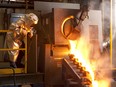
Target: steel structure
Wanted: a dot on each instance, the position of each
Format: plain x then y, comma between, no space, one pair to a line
73,70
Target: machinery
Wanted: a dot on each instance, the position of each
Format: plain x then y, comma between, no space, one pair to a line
74,74
59,25
51,63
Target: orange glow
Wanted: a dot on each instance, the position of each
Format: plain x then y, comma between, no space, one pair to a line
82,51
68,18
77,48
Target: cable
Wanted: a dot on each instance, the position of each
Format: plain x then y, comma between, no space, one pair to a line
14,80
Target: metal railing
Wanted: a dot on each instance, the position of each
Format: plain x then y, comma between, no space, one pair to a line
18,70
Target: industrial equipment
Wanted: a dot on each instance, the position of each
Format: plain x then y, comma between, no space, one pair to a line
75,73
50,60
57,45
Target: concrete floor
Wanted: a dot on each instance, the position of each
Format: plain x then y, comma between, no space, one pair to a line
34,85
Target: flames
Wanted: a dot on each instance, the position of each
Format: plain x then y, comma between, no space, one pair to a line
82,51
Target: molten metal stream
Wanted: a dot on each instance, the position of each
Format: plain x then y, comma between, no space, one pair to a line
82,53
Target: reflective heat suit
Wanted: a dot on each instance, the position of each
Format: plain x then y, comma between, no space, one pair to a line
19,30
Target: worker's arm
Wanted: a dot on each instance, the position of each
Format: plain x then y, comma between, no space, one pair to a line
32,32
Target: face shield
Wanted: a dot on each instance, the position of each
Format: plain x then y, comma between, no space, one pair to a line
32,17
30,20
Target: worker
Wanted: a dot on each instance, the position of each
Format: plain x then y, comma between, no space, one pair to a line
19,30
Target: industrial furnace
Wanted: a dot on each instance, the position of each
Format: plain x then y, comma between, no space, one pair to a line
54,58
57,46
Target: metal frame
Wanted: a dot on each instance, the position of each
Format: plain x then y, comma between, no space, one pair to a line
33,78
19,70
19,76
73,75
66,65
10,71
21,5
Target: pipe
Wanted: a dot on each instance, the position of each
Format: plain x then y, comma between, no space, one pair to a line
16,5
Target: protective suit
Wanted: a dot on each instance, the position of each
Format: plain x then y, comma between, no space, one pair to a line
20,29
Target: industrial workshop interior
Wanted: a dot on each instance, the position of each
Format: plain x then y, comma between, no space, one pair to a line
57,43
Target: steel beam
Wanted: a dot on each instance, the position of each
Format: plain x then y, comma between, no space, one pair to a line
16,5
33,78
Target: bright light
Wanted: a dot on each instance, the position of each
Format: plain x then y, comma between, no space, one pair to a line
82,51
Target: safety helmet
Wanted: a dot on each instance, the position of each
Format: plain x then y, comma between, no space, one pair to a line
33,17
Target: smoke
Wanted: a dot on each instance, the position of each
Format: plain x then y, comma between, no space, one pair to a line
94,4
104,6
95,61
114,19
100,61
102,71
102,64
